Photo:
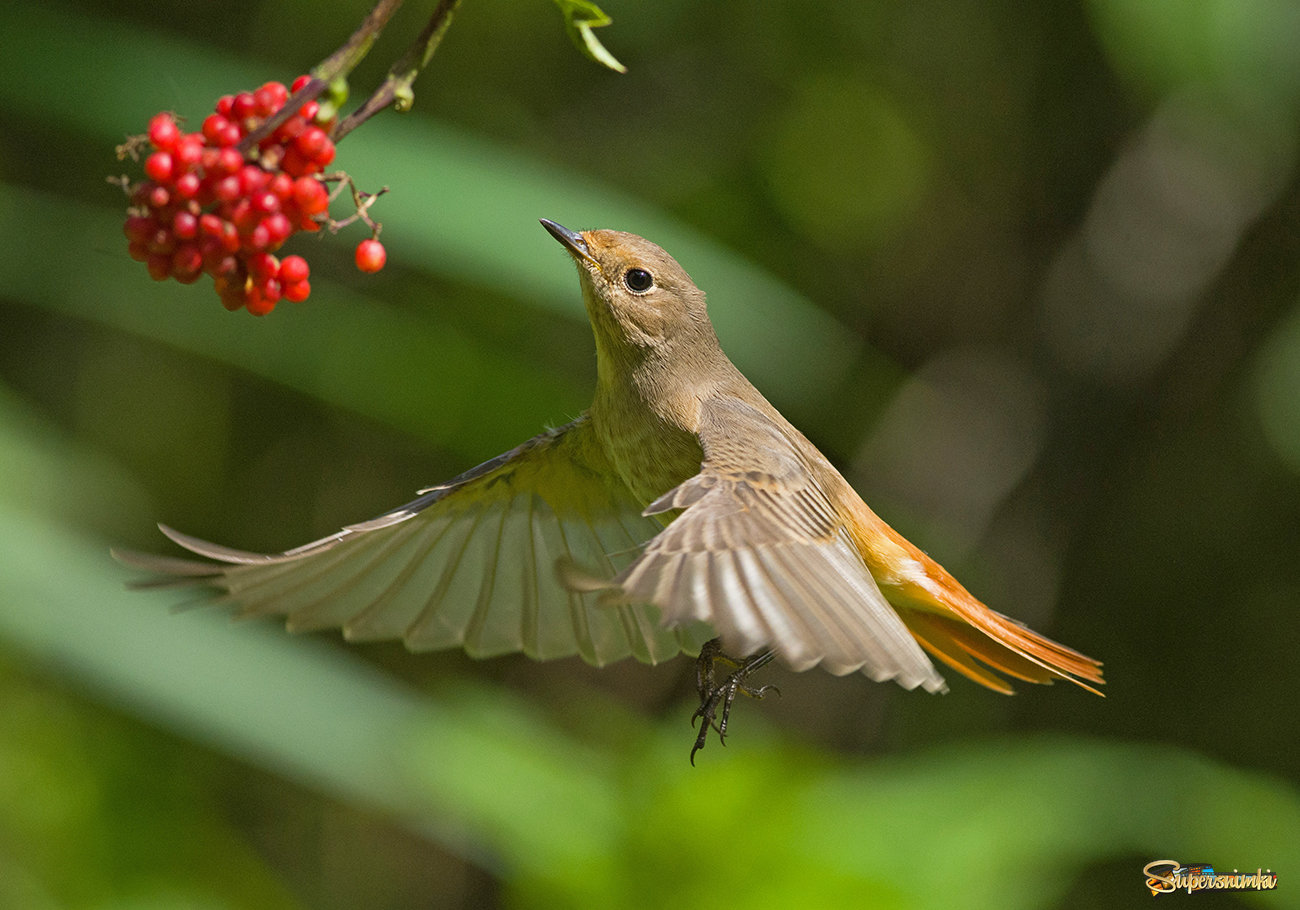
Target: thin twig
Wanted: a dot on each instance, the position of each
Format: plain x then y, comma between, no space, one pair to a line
361,201
396,89
337,64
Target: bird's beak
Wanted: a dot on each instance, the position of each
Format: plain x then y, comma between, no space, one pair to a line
572,241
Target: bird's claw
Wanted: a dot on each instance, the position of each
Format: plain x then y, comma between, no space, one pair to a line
714,694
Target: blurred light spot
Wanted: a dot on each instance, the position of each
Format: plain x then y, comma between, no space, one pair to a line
843,165
1277,391
1164,44
1163,223
955,441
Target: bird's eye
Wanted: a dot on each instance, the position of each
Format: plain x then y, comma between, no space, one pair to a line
638,280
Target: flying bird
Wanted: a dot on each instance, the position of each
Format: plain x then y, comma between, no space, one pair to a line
680,512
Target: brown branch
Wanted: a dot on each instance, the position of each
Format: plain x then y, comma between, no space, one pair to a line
337,64
396,89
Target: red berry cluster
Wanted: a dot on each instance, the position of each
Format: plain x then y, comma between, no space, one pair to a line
214,204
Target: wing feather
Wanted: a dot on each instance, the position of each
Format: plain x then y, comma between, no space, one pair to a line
762,556
468,563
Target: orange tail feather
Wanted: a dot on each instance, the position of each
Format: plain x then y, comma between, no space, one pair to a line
951,623
1004,646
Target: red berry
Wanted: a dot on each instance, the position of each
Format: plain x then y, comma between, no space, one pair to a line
213,126
229,161
265,202
311,142
251,179
270,98
185,225
294,269
290,129
229,237
243,217
160,166
310,195
230,135
213,255
278,228
227,189
189,150
139,228
159,265
371,255
294,164
258,302
326,155
300,82
242,107
188,185
163,131
281,185
227,267
270,289
161,241
259,238
309,111
262,266
297,291
187,263
157,197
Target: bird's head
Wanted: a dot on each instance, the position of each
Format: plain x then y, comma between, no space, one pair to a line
636,294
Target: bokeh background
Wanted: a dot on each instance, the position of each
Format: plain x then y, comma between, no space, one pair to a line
1028,272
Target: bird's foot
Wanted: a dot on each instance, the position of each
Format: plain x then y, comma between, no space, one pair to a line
714,694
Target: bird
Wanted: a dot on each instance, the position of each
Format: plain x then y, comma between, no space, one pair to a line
680,513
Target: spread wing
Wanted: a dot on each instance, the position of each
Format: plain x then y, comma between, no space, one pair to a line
470,563
760,555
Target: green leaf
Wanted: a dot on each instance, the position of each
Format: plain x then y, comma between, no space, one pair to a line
580,17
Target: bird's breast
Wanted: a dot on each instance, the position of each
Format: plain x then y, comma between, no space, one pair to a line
652,454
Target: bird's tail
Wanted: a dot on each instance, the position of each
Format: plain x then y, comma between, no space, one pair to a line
993,642
955,627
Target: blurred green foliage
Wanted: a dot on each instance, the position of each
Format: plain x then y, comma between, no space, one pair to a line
1028,271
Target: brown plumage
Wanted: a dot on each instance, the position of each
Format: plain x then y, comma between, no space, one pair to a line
681,506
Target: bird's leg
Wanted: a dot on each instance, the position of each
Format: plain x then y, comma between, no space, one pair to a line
713,693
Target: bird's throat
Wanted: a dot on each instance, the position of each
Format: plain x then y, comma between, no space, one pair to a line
647,432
